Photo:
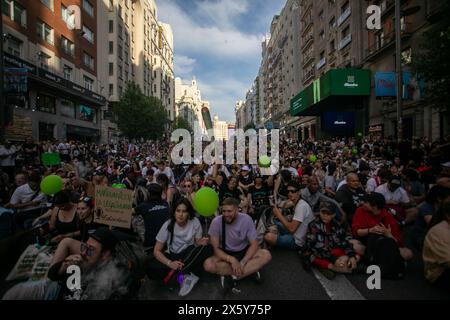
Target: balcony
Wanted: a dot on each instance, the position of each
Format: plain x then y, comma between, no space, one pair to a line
308,59
345,41
331,57
308,75
306,25
387,42
307,41
321,63
344,16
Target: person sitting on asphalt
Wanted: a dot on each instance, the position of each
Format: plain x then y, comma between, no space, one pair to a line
290,233
236,250
186,248
436,249
350,195
327,245
101,278
313,196
375,227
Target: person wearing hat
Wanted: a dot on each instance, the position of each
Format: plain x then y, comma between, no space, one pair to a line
101,278
326,244
246,178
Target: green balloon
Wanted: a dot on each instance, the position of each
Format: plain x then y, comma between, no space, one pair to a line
355,151
313,158
360,134
51,185
206,201
264,162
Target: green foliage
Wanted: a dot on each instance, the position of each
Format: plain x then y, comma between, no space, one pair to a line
181,123
140,116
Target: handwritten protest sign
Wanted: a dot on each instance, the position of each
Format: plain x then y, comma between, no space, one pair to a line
113,206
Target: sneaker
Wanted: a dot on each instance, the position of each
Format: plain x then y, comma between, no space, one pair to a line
257,277
327,273
188,284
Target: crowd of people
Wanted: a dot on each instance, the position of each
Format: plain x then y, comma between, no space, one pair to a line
340,204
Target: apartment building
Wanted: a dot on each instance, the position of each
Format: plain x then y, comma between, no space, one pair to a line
331,48
241,114
419,118
220,129
51,67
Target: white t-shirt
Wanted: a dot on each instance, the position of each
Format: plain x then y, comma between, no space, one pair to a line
24,194
398,195
168,172
182,237
145,169
371,185
304,215
63,148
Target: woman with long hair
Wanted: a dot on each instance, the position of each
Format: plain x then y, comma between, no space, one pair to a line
180,248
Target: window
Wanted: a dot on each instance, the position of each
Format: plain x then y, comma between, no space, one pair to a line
120,72
67,109
345,32
68,47
67,72
111,47
332,46
14,46
332,23
48,4
87,6
120,90
344,7
15,12
88,34
406,56
321,15
120,31
111,26
126,56
88,61
120,51
111,69
88,83
67,17
45,32
154,88
120,11
45,103
45,60
111,89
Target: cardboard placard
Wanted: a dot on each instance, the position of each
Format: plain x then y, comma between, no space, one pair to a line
51,159
113,207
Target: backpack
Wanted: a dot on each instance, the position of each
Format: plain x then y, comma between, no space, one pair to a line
384,253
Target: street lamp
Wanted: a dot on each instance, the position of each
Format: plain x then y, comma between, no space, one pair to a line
398,61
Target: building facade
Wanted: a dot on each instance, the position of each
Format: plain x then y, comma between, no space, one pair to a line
241,114
51,68
138,48
220,129
189,104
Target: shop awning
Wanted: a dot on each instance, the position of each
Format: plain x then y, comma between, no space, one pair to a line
334,90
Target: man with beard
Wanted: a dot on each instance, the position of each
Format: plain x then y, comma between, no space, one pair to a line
100,279
234,240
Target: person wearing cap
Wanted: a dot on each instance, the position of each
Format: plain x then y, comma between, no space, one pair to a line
246,178
327,246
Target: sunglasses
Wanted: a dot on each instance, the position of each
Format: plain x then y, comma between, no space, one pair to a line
87,200
87,249
292,191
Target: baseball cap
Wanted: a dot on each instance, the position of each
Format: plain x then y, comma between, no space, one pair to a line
327,206
105,237
245,168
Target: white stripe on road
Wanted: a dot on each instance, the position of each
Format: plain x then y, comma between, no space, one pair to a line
339,288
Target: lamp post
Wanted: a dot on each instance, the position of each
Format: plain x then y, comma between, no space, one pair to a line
2,96
398,69
399,13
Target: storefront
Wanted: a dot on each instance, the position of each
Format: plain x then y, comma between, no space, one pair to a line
53,104
337,100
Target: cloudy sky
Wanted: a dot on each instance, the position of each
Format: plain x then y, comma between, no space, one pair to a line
219,42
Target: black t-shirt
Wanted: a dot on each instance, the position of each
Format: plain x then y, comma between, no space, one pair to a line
225,192
260,196
246,180
350,200
154,214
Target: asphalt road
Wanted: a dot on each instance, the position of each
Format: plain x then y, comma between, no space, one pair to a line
285,279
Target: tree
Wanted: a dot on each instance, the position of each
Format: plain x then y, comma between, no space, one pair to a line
249,126
432,60
140,116
181,123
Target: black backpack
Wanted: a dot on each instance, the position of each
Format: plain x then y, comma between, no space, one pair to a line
384,253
